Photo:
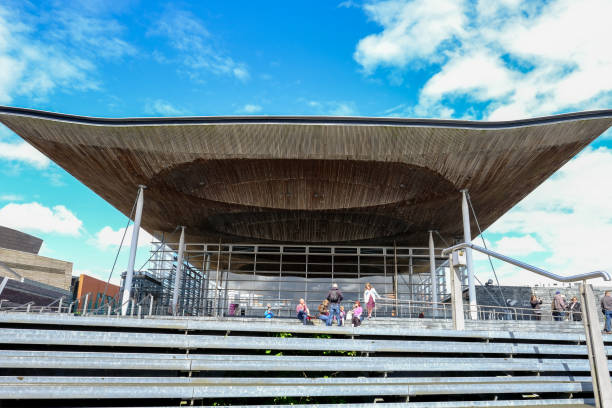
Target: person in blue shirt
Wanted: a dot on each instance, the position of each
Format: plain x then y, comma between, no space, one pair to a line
269,314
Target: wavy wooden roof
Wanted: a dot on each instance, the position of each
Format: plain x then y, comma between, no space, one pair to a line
308,179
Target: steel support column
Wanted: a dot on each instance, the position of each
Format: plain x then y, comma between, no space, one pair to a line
456,296
467,237
178,276
127,285
432,270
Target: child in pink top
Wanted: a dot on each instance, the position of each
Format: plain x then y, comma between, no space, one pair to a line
357,310
302,311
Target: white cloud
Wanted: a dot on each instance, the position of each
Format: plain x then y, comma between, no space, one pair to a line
570,215
412,30
23,152
11,197
194,45
107,237
36,62
250,108
38,218
524,245
161,107
517,58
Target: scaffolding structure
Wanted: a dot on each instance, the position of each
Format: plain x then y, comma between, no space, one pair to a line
243,279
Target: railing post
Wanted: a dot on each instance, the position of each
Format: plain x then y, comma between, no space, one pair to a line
59,307
85,304
600,375
28,308
151,306
456,296
108,313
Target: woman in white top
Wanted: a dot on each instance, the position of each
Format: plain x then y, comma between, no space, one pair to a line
369,297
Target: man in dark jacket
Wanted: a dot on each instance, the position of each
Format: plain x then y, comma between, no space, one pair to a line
334,296
606,308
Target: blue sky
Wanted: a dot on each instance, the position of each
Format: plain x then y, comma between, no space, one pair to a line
488,60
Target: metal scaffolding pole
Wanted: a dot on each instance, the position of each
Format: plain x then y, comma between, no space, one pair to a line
216,300
467,237
306,279
127,285
410,277
178,278
432,270
359,272
395,280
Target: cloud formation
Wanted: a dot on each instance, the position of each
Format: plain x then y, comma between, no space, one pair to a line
163,108
517,58
250,108
23,152
107,237
35,217
194,45
36,62
569,216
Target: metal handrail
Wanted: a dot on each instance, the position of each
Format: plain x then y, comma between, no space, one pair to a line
17,307
598,360
572,278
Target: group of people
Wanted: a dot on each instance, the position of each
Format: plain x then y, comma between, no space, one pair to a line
331,309
559,307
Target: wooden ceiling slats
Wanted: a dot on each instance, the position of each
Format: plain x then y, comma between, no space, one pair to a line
371,183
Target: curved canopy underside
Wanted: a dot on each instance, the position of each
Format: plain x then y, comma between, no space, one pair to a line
308,179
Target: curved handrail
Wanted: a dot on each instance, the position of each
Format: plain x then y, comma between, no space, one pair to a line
572,278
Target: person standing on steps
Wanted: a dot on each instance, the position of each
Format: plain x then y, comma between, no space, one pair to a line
536,307
574,311
606,308
334,296
558,307
369,297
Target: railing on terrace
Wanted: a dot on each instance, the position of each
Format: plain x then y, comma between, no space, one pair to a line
406,309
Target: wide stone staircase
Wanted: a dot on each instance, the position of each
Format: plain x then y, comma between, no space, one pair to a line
60,360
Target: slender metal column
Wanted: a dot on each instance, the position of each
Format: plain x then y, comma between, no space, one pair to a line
216,302
206,285
410,277
456,296
127,286
432,270
395,286
467,237
178,276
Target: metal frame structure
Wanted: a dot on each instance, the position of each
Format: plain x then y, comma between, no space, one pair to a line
244,279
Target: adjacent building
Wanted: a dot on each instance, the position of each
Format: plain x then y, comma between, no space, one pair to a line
29,276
